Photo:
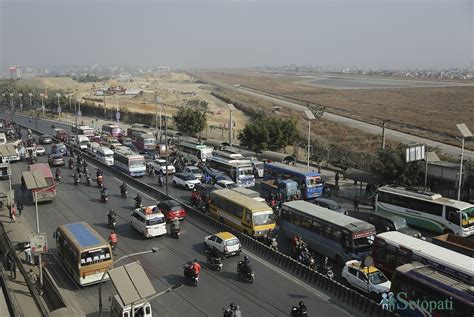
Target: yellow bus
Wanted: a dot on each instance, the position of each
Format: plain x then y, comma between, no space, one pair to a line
252,217
85,254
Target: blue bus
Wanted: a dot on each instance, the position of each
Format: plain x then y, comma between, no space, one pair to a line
309,182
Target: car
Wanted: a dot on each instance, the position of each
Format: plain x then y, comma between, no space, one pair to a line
196,171
225,242
225,184
112,144
45,139
388,222
56,160
160,165
59,148
171,209
187,181
330,204
368,280
150,154
149,221
40,151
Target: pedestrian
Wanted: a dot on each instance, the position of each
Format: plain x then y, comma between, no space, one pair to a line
356,204
12,266
368,190
20,207
28,258
13,212
336,178
33,277
319,167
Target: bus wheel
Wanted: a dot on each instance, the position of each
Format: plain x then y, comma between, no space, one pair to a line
448,231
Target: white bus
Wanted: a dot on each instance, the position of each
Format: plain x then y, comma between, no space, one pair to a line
427,210
240,171
105,155
392,249
85,130
129,162
201,151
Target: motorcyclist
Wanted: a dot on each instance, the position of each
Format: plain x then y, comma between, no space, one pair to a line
194,196
214,255
235,310
123,188
57,173
100,180
302,310
104,192
246,267
84,168
78,170
76,177
111,216
71,162
196,268
138,200
174,227
160,178
113,240
99,172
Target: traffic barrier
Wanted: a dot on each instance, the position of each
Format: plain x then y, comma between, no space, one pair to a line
351,297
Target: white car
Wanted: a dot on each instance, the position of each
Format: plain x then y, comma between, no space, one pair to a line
185,180
160,165
225,242
368,280
225,184
40,151
196,171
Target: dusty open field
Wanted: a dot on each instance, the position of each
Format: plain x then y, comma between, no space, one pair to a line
428,112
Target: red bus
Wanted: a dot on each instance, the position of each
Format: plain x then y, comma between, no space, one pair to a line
113,130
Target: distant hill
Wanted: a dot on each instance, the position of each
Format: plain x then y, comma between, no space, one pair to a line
55,83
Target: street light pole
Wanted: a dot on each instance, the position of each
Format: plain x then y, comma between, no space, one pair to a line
310,116
231,108
11,104
466,133
153,250
21,101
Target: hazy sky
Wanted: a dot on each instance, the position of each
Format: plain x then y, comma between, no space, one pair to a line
237,33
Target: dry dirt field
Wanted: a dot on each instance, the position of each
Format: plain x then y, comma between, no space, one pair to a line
428,112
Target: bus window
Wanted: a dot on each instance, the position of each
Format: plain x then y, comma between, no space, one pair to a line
306,223
452,215
313,181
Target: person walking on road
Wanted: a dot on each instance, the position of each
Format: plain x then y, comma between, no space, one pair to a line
356,204
20,207
13,212
12,266
336,178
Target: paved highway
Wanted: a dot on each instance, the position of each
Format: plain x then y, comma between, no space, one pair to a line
356,124
272,294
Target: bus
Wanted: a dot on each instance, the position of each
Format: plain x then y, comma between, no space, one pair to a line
241,212
85,254
201,151
144,142
310,183
240,171
85,130
392,249
129,162
138,129
113,130
337,236
39,179
427,210
420,290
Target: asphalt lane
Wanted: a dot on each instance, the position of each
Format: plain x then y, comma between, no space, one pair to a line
272,294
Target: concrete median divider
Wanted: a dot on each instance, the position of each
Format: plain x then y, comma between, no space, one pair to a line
350,297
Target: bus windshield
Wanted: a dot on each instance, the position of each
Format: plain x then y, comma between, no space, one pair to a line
135,163
313,181
262,218
205,154
362,244
377,278
94,256
148,141
245,171
467,217
109,156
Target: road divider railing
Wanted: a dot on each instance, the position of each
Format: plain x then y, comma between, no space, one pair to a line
349,296
52,293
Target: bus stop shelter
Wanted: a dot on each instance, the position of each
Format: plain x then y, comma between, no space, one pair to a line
267,156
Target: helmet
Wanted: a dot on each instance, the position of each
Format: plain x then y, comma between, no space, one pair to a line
301,303
233,306
112,211
194,189
246,258
195,261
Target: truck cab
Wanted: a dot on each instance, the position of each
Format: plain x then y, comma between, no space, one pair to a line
287,187
117,309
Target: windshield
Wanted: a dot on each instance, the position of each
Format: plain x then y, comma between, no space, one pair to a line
149,141
231,185
333,206
189,177
109,156
259,166
377,278
155,221
362,244
246,171
262,218
95,256
84,142
136,162
313,181
467,217
115,131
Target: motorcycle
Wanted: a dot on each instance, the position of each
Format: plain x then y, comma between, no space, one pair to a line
296,312
104,196
114,248
123,192
271,240
190,276
248,275
71,164
214,263
76,180
58,178
175,232
112,223
138,204
88,180
100,181
307,259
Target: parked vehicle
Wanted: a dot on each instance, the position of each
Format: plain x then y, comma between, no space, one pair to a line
171,209
286,188
149,221
187,181
368,280
332,205
225,242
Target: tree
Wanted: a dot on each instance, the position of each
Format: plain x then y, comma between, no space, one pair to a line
269,134
393,168
190,121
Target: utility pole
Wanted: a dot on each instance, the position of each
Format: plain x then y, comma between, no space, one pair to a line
383,135
156,117
231,108
167,153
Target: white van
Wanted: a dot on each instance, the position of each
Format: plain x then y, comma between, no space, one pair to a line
117,309
82,142
3,138
149,221
105,155
92,147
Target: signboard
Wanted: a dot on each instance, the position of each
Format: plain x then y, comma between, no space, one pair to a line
38,243
59,109
79,113
415,153
117,115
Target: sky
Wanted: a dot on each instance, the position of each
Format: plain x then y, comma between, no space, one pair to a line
238,33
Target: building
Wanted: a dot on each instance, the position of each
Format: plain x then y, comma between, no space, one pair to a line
133,92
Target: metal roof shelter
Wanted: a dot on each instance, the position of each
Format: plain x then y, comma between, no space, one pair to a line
131,283
217,144
276,157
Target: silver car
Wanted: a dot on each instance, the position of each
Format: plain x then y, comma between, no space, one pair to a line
196,171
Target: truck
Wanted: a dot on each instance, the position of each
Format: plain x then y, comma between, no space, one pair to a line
82,142
274,188
455,243
60,134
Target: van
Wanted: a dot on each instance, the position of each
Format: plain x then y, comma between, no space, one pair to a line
105,155
149,221
82,142
117,309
